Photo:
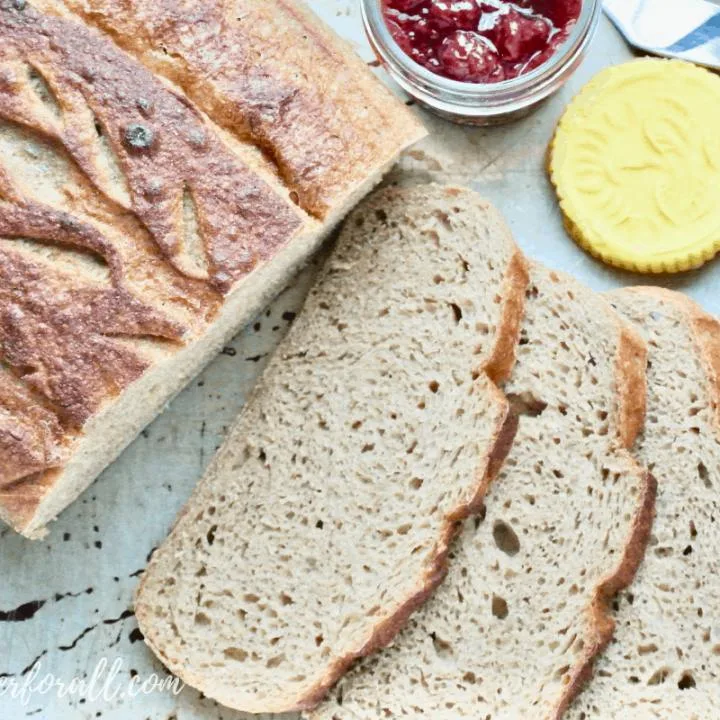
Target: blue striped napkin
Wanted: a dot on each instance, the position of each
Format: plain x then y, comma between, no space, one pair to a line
685,29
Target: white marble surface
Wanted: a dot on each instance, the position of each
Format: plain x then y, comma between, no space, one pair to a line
80,580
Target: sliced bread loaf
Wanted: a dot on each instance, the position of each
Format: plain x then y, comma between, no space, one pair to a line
523,611
665,659
325,519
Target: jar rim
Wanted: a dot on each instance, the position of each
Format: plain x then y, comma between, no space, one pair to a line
539,82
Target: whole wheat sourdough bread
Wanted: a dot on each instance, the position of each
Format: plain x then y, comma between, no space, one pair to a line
524,609
136,237
664,661
325,519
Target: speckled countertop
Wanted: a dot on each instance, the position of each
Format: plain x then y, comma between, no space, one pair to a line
66,600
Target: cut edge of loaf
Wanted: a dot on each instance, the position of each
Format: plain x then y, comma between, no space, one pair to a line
497,368
630,366
31,504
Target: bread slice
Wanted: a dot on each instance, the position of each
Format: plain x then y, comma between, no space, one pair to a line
271,73
325,519
524,609
665,659
136,237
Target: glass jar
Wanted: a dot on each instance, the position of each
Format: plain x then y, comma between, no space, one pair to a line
480,103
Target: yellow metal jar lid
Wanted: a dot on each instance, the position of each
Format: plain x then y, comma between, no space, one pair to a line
636,164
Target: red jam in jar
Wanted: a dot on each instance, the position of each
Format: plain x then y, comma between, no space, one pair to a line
480,41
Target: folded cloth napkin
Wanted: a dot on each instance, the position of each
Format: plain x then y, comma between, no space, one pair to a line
685,29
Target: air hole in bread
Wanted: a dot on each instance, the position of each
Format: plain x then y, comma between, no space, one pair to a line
457,312
659,676
235,653
499,607
687,681
704,475
442,648
505,538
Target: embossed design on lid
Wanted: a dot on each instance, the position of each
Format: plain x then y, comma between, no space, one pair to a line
636,164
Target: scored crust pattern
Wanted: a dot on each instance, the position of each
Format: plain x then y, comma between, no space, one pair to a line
124,220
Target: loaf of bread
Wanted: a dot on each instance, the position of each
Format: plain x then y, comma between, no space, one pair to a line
325,519
664,663
136,236
516,625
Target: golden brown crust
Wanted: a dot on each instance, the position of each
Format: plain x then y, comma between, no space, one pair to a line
706,329
164,148
500,365
272,73
31,438
58,337
68,339
600,610
145,153
632,386
19,501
